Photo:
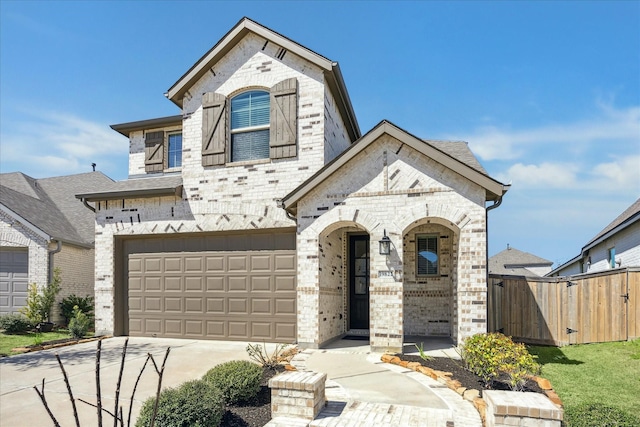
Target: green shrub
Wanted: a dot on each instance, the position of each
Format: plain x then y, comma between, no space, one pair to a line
84,304
79,324
40,303
194,403
598,414
15,323
492,355
238,380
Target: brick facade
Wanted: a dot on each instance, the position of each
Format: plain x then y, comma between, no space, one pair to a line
388,186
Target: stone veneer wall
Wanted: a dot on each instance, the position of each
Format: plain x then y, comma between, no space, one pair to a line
394,188
428,301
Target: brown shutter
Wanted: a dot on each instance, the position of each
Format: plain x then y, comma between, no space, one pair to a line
284,119
154,152
214,129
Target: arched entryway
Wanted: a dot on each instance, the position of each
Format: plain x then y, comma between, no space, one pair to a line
344,279
430,254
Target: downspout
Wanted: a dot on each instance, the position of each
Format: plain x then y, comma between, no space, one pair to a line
84,202
280,204
51,254
495,204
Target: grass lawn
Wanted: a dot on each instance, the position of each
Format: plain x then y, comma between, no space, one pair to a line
10,341
607,373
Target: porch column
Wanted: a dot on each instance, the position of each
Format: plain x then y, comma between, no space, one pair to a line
386,288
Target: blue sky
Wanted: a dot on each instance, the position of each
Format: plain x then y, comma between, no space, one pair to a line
546,93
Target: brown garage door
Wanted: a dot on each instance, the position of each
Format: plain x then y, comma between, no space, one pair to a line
14,277
233,295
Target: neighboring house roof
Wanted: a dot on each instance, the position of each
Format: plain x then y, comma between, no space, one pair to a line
630,216
331,69
455,155
626,218
168,185
49,204
516,262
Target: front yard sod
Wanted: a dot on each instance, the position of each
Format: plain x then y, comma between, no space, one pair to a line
11,341
606,374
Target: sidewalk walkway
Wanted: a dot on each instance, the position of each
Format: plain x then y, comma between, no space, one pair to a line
363,391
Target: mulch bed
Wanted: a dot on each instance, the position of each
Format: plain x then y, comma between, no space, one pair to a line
255,412
467,378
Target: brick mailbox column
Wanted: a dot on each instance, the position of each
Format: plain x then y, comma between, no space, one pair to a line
297,394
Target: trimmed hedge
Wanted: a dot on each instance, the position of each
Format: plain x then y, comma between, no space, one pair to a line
238,380
15,323
193,403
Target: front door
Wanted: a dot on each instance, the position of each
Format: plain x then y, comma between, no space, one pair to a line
359,282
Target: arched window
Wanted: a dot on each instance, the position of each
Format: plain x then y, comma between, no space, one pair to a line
250,126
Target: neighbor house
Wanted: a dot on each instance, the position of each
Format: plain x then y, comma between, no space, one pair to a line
44,226
512,261
260,212
617,245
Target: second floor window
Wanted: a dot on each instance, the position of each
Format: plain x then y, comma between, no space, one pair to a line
174,150
250,126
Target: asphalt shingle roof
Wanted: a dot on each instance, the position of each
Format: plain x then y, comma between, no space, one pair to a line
513,261
50,203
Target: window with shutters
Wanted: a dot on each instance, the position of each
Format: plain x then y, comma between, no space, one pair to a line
256,124
174,150
427,256
250,126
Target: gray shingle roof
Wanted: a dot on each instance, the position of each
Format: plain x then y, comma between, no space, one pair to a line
629,213
50,204
514,261
136,187
458,150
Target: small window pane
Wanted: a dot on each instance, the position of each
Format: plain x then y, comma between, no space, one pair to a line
175,150
427,255
250,145
250,109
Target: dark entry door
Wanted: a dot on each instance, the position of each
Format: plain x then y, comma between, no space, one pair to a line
359,282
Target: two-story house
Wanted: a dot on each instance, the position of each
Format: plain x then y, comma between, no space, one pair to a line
261,212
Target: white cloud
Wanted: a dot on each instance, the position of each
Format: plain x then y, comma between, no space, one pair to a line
545,175
623,173
45,143
610,125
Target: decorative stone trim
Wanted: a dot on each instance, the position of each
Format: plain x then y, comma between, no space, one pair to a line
297,394
473,395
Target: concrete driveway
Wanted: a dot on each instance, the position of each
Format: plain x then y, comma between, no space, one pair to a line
21,406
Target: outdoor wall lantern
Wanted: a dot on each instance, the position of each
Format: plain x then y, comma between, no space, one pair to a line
385,244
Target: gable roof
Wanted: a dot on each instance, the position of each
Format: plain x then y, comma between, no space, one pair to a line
626,218
454,155
331,69
49,205
514,261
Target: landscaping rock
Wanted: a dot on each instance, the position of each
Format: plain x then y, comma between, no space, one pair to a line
471,394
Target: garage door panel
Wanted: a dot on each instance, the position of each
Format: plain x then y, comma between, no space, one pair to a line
244,295
285,284
238,329
14,278
238,283
152,265
194,284
215,283
216,305
260,283
193,305
173,304
261,306
152,283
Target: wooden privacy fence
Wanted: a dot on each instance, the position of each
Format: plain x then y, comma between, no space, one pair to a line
587,308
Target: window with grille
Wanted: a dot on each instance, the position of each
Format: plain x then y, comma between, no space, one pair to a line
174,150
250,126
427,255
